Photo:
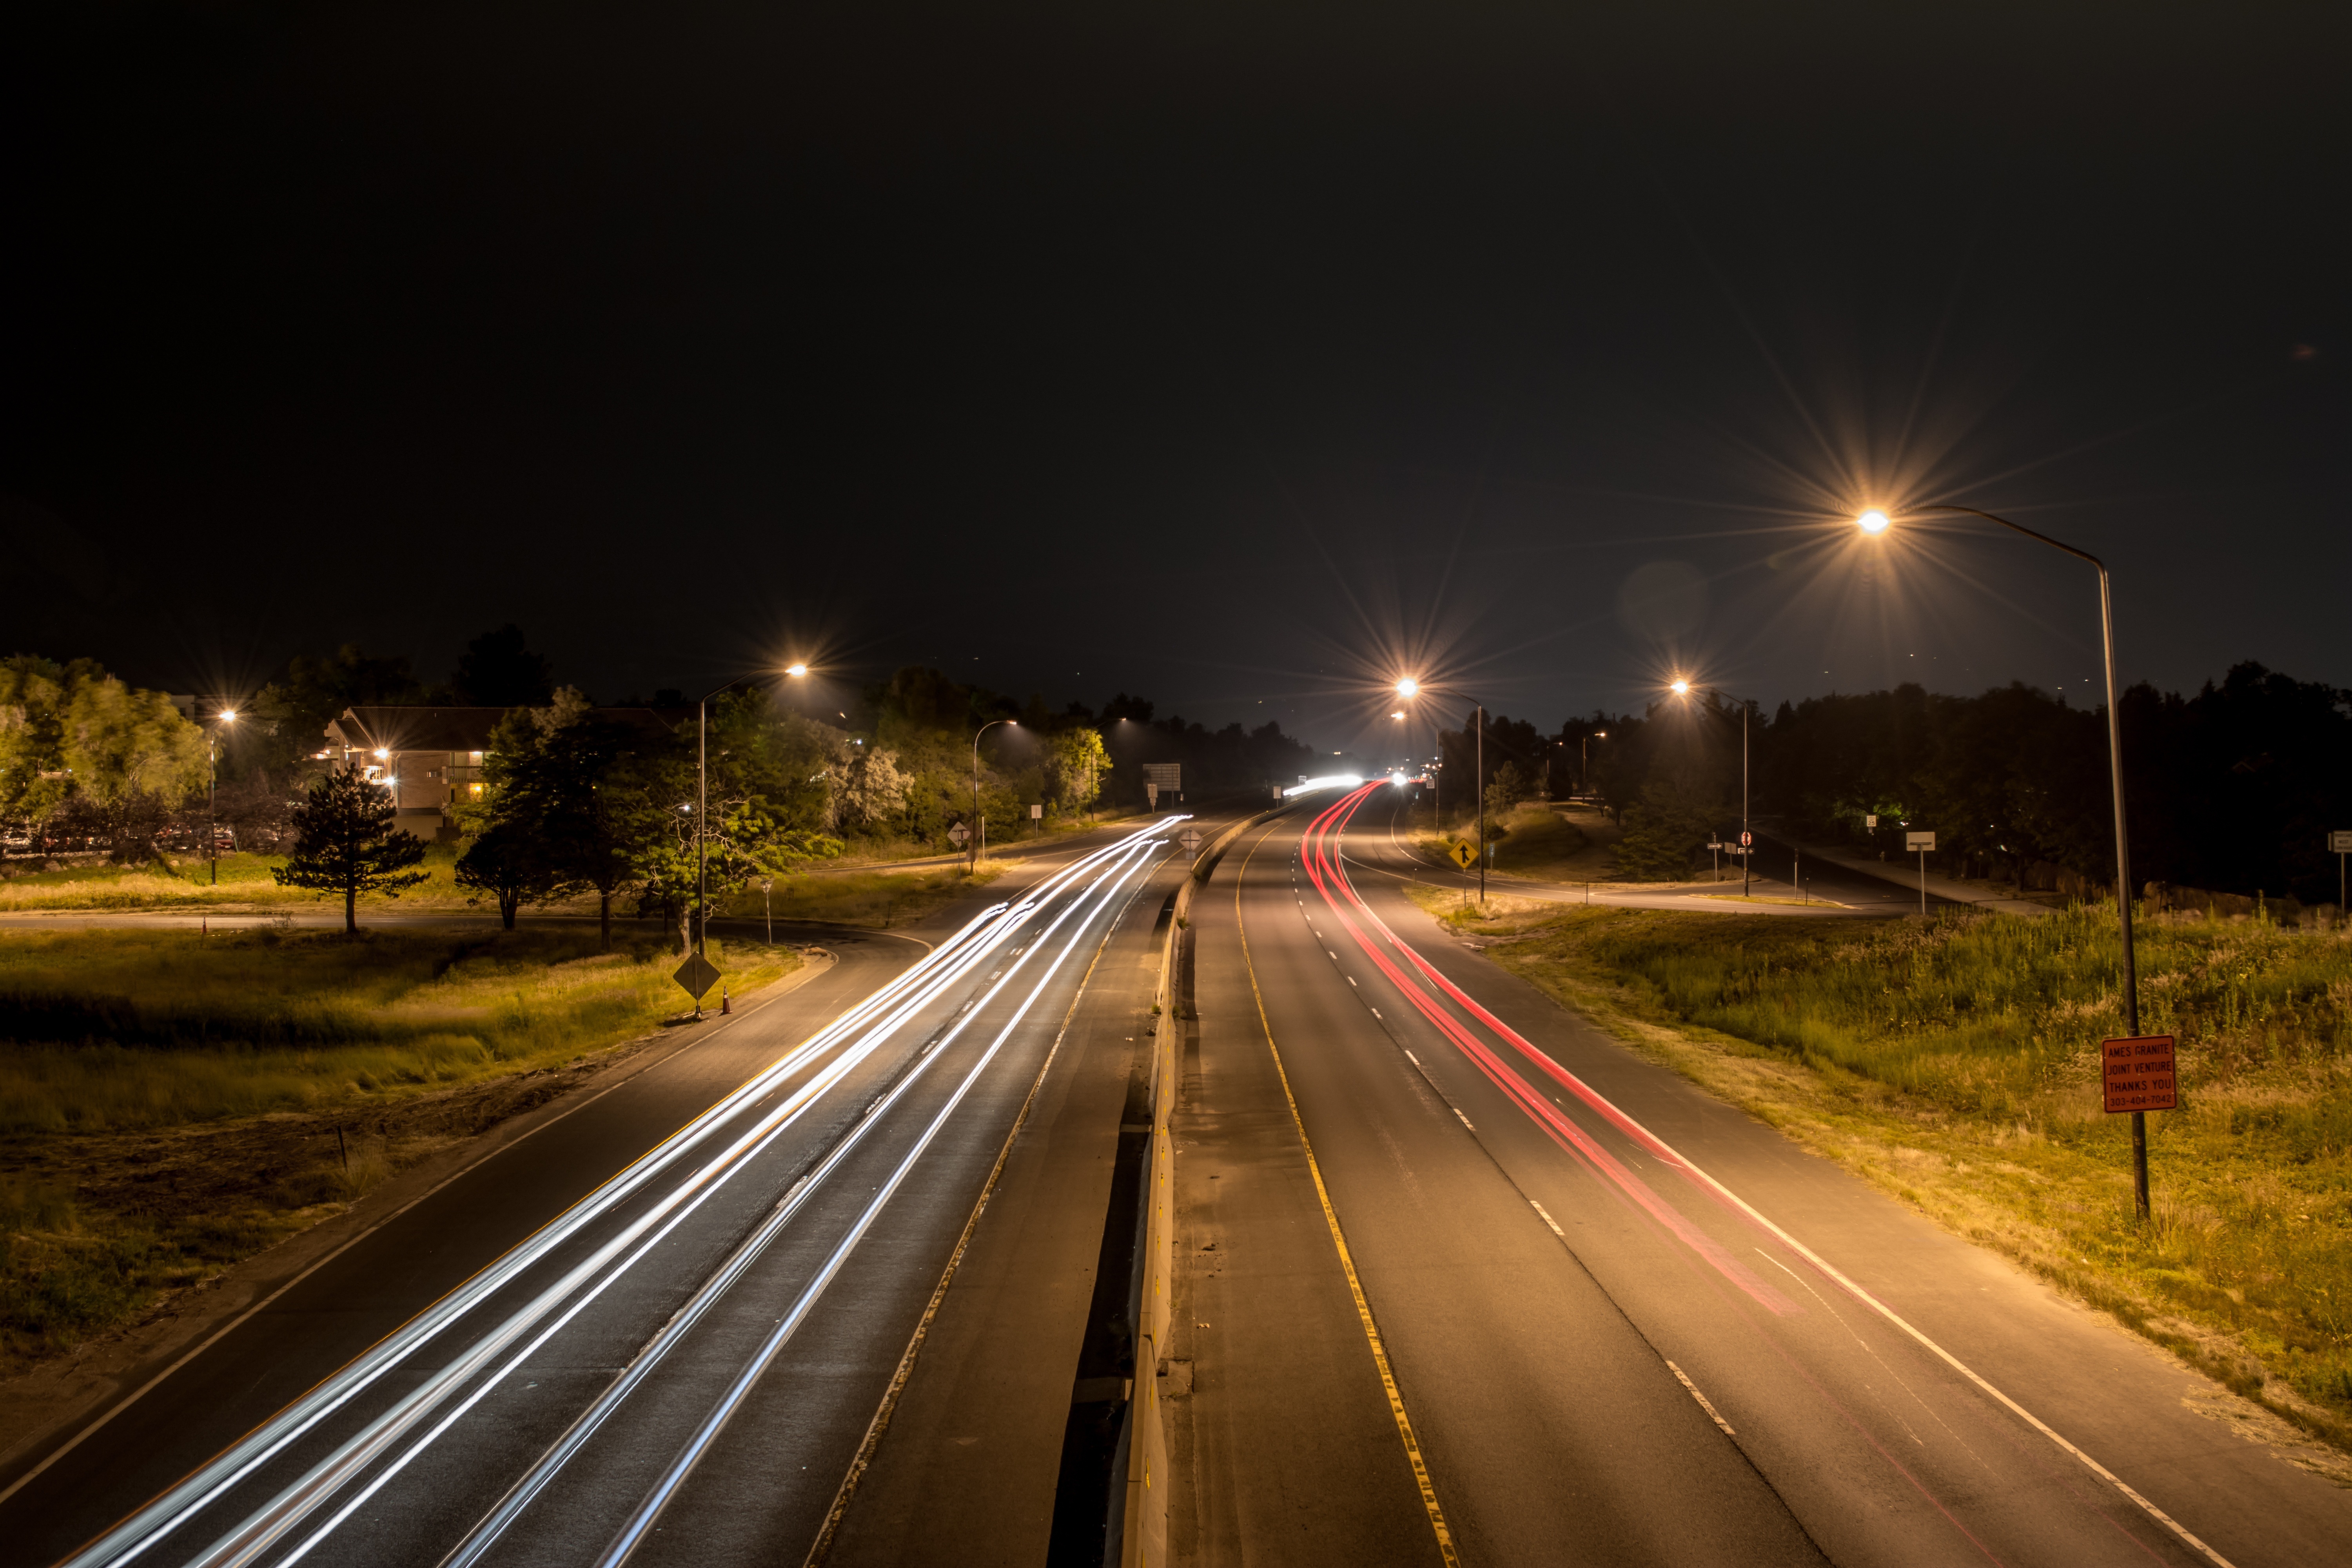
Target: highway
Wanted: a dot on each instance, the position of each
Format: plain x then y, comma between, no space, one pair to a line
1462,1279
660,1328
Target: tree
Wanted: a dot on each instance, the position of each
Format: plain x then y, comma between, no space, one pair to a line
349,846
498,670
1510,787
510,863
1664,829
1078,762
74,737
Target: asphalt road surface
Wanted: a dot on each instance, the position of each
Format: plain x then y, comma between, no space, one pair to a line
1585,1313
656,1330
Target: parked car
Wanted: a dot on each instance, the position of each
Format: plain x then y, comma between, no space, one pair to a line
16,838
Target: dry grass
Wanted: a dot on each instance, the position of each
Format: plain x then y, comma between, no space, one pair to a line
172,1103
872,899
1953,1065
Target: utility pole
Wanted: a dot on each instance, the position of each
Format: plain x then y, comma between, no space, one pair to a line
1478,778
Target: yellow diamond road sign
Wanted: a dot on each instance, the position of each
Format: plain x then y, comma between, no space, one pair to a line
1462,853
697,974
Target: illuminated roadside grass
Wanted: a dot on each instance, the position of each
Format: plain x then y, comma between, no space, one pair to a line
1953,1065
872,899
172,1103
119,1029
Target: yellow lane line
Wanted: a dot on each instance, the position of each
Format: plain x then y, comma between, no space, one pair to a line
1340,1240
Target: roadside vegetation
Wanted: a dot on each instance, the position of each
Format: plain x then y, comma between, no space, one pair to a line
1954,1064
1536,839
855,898
171,1103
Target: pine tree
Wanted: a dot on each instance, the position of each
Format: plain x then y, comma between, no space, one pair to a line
348,845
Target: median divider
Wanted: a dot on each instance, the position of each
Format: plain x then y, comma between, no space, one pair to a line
1143,1532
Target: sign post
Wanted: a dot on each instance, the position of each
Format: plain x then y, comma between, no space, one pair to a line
697,974
1715,848
2137,1075
1923,843
2340,840
1036,818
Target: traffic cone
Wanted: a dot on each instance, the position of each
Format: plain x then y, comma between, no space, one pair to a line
726,1005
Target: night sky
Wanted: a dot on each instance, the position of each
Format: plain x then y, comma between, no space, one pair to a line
1245,356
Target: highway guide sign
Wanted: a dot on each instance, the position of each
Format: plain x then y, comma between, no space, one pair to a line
1461,853
697,974
2138,1074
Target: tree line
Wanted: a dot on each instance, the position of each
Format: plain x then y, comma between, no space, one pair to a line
2233,788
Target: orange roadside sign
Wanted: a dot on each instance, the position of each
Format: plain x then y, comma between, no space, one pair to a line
2137,1075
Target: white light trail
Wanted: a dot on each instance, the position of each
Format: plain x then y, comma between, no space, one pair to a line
893,1004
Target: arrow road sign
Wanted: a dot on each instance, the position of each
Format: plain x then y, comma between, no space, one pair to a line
1189,839
960,835
697,974
1462,853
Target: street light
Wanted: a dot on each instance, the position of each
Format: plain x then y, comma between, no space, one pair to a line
1584,758
211,791
1875,522
702,802
980,823
1747,848
1411,687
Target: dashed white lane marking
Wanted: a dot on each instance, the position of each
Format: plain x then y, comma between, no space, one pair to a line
1351,980
1376,1012
1548,1220
1465,1121
1711,1413
1413,1060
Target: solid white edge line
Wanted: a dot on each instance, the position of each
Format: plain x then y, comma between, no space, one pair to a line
1711,1413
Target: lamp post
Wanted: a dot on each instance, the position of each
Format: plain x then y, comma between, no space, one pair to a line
703,799
1584,759
1747,846
980,823
1410,687
1876,522
212,790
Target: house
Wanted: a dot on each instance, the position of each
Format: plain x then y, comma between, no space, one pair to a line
431,757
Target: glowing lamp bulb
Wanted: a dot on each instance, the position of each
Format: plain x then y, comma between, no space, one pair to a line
230,714
1396,715
796,670
1408,687
1682,688
1873,522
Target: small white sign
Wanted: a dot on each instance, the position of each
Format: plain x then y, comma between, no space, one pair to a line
1917,841
2340,842
1871,822
1035,811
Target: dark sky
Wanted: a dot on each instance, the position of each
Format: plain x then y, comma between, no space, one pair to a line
1245,355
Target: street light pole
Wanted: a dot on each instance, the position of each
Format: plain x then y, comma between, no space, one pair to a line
212,790
702,801
2115,781
1478,780
980,823
1747,844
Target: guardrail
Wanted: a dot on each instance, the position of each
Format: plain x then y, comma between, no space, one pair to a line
1143,1534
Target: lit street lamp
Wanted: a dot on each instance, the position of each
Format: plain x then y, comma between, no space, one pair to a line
1746,846
1875,522
211,791
1411,687
980,823
702,801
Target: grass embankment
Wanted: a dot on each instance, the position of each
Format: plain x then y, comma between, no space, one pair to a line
171,1103
1956,1065
874,899
186,883
1541,842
